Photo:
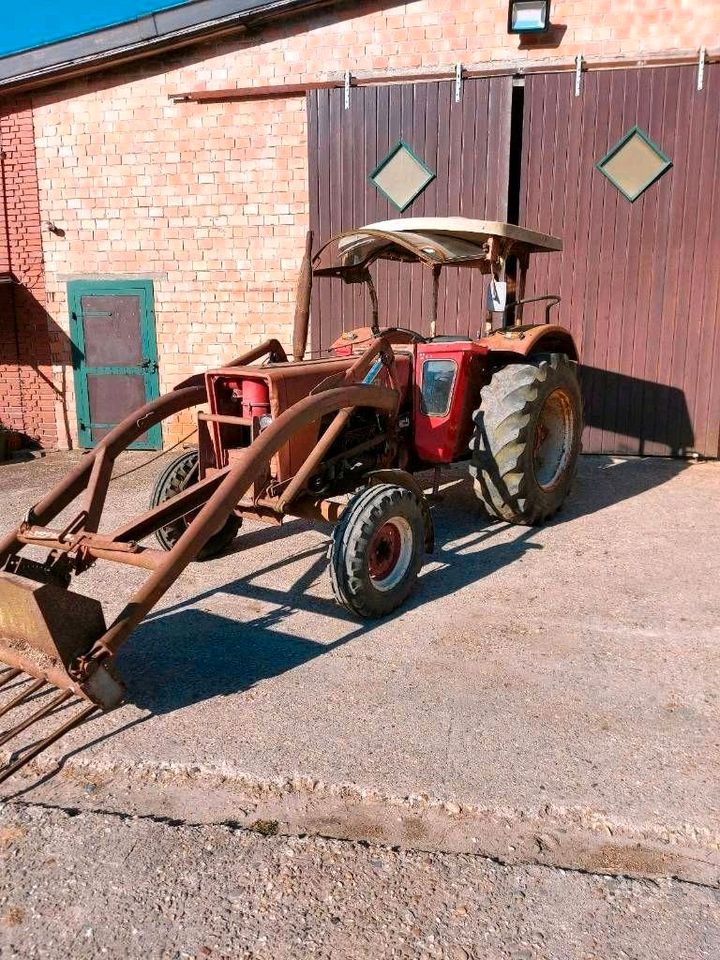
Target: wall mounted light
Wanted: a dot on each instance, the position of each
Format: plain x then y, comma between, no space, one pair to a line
528,16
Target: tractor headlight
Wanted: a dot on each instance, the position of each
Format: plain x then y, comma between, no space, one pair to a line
264,421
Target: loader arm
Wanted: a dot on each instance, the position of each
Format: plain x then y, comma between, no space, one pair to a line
86,474
43,625
55,637
213,515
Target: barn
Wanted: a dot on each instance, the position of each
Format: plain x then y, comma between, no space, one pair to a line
158,175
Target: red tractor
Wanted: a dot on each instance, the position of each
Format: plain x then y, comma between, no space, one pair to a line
336,438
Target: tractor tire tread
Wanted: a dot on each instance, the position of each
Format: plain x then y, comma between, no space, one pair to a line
172,481
501,458
351,538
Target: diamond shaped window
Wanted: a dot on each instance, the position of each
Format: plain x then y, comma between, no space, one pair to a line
634,163
401,176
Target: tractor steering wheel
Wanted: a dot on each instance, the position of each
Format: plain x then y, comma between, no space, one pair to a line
415,337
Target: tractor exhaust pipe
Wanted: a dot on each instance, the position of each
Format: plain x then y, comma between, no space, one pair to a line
302,301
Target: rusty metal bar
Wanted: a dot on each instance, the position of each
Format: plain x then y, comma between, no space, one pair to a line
310,509
146,558
57,676
272,91
180,505
189,393
9,675
49,507
267,92
215,512
378,348
100,549
272,348
359,368
303,293
38,748
118,439
226,418
22,696
97,488
315,458
35,717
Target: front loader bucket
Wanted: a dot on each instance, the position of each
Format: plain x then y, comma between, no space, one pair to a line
43,629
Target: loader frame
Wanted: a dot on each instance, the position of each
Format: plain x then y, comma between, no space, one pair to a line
211,501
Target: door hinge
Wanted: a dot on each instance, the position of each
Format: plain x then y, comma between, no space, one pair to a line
579,64
701,69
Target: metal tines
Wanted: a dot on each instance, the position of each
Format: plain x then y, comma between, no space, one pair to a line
23,693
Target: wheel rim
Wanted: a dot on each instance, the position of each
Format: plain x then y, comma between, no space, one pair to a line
553,441
390,553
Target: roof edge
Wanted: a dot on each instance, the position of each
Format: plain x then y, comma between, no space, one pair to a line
145,36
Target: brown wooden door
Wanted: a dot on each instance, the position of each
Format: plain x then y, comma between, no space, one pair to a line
640,281
465,143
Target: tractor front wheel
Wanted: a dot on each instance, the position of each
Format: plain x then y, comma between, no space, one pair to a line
527,438
377,549
181,473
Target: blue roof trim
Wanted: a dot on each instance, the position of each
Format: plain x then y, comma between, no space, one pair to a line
52,21
137,38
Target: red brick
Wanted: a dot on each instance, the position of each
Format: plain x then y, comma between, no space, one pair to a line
225,251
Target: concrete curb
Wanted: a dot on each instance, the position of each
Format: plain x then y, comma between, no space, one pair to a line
572,838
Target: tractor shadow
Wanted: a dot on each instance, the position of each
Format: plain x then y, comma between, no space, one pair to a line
184,654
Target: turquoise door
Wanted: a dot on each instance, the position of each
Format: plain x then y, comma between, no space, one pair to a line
115,360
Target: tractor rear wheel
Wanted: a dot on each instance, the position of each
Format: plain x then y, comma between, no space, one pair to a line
527,438
181,473
377,549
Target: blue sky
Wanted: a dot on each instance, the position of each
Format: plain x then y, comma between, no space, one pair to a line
44,21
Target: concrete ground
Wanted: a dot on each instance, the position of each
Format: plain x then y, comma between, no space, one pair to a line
546,697
96,885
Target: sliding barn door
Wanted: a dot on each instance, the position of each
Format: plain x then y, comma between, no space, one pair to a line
462,146
640,279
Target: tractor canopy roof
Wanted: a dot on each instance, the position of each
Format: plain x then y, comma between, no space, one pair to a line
431,240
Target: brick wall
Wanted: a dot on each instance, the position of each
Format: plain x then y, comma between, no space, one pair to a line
27,393
211,201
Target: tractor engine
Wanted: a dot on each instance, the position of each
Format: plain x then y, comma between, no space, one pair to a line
364,445
244,401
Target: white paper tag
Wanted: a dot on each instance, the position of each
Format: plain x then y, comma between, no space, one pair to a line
496,295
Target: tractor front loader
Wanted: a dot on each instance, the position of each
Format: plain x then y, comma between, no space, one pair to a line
334,439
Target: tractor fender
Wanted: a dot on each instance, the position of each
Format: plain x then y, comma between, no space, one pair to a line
402,478
526,340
